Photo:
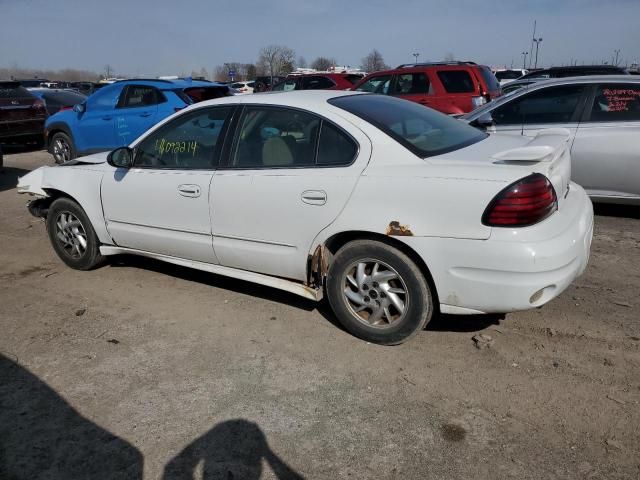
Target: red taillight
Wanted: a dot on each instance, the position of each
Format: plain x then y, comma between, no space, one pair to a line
62,109
522,203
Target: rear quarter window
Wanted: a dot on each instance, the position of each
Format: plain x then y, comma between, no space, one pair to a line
456,81
200,94
491,81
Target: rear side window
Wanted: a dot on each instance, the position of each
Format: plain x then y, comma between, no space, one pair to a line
456,81
13,90
272,137
285,86
410,83
200,94
317,83
548,105
508,75
335,147
140,96
378,84
616,102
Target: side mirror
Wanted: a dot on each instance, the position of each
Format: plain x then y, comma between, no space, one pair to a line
79,108
484,121
121,157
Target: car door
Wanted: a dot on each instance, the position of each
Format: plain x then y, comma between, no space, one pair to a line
289,174
161,204
136,112
535,110
413,86
606,151
94,130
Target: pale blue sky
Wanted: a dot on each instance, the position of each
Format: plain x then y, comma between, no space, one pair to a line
145,37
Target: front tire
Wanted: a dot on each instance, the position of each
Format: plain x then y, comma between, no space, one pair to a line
378,293
62,148
72,235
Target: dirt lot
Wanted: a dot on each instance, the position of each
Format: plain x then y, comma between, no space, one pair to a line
145,370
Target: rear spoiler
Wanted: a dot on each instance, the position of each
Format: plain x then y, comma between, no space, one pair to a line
546,146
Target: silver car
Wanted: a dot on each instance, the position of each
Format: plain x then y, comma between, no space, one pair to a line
602,113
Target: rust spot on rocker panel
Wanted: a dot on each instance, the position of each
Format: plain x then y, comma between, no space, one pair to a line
397,230
318,266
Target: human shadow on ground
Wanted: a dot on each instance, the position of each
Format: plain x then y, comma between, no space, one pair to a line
43,437
231,450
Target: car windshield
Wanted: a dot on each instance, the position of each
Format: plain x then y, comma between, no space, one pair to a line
422,130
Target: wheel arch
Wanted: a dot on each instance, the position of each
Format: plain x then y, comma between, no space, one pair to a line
58,127
320,258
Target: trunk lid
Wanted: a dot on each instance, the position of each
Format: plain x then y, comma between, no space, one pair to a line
511,157
16,103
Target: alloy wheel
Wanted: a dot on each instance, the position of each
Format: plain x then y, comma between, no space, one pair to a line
375,293
71,235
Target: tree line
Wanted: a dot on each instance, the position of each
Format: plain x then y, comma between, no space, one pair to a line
273,60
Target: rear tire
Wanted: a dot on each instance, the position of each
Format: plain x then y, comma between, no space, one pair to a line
62,149
72,235
378,293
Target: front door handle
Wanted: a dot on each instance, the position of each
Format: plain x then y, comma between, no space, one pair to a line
145,114
314,197
188,190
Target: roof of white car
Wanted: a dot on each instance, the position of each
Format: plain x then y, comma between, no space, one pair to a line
296,98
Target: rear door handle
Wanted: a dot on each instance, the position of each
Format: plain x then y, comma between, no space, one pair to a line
145,114
314,197
188,190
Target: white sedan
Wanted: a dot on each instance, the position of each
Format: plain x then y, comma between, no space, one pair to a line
391,210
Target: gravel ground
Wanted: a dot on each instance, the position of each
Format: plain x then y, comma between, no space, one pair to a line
145,370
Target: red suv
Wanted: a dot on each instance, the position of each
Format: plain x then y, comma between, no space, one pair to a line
449,87
318,81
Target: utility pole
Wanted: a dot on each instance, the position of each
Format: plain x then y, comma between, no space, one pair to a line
533,36
524,59
416,55
617,52
537,41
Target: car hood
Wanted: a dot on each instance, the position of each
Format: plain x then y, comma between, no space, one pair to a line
89,159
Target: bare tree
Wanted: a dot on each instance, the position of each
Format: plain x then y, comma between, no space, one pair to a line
108,71
323,63
374,62
302,62
65,74
251,72
276,60
220,73
449,57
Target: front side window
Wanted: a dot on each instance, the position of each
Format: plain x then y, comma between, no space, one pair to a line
191,141
456,81
378,84
318,83
410,84
276,137
423,131
140,96
616,102
548,105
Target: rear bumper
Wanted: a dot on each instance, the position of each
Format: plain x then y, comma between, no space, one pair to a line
17,129
515,269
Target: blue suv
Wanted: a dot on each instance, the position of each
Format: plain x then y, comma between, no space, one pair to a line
119,113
